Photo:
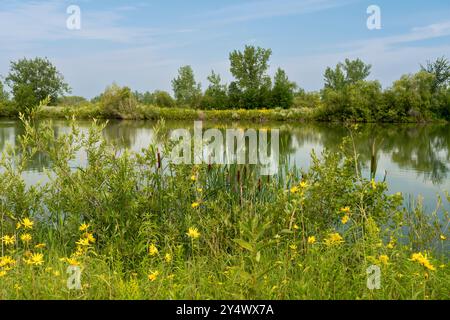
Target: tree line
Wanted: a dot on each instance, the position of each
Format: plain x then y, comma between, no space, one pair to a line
347,95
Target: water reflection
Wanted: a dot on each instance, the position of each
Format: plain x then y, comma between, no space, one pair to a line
415,157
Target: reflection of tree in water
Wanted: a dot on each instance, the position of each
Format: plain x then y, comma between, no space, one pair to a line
122,133
424,148
6,130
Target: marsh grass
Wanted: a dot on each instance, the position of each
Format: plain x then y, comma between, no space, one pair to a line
125,220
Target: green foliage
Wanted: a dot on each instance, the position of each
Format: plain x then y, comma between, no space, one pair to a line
359,101
347,73
440,68
411,96
283,90
33,80
146,98
250,71
163,99
215,96
187,91
3,94
118,102
255,236
75,101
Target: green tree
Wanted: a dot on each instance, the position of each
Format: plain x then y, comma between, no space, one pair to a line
250,71
215,96
440,68
283,90
33,80
187,91
118,102
250,67
334,79
3,94
412,96
163,99
349,72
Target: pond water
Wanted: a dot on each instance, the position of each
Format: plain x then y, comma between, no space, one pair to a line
414,158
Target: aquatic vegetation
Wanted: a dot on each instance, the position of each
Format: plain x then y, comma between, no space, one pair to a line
128,221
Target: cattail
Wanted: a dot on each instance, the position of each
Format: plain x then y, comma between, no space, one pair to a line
159,159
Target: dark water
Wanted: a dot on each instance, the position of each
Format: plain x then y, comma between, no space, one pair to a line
414,158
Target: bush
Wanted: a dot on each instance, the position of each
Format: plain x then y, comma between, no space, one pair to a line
118,102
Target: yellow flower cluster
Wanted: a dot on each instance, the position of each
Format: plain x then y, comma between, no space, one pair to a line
6,264
301,186
153,250
333,239
422,259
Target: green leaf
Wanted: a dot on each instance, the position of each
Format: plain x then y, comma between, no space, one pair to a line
244,244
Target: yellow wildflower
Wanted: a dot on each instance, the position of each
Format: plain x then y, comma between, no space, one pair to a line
26,237
40,245
390,245
195,205
153,275
293,247
442,237
9,240
153,250
345,209
193,233
383,259
295,227
168,257
193,177
2,273
84,227
294,189
83,242
311,239
18,225
422,259
37,259
303,184
27,223
7,261
89,237
334,239
373,183
200,190
345,219
72,262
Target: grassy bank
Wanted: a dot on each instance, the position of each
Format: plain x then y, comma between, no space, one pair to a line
146,112
140,230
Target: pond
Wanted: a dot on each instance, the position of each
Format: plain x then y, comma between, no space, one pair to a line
413,158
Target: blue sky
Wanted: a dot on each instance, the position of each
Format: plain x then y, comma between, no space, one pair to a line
142,43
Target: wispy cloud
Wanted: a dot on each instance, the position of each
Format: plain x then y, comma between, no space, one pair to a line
253,10
28,22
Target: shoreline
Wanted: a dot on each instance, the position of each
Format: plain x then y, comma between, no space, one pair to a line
148,112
